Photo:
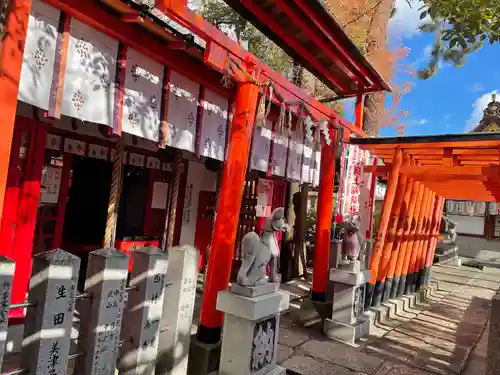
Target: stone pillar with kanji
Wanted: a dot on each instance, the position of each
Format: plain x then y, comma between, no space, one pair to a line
251,329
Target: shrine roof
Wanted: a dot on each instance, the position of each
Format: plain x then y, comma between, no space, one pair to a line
312,36
459,166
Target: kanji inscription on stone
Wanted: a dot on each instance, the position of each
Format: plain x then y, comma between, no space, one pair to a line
263,345
144,309
48,324
106,280
176,322
6,275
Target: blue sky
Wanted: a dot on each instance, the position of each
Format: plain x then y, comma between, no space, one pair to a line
454,99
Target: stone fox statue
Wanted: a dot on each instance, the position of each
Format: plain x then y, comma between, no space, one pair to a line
258,252
353,241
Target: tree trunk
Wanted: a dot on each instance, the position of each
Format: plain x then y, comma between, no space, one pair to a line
376,42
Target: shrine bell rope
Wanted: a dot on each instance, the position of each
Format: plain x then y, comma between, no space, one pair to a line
285,116
178,167
114,196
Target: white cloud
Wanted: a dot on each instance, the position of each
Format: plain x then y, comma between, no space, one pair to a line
422,121
406,21
477,87
477,109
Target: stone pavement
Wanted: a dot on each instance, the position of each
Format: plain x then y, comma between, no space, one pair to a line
443,335
436,337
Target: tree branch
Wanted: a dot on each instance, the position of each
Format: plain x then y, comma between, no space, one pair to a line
363,14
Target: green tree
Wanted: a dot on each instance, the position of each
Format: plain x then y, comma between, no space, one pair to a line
461,27
219,14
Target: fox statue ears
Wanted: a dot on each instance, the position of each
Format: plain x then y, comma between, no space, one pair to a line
275,222
277,214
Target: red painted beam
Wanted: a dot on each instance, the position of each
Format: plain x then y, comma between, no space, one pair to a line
307,11
342,60
220,48
271,23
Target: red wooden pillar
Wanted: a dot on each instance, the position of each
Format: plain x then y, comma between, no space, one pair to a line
26,223
359,110
323,223
62,199
11,60
385,215
228,209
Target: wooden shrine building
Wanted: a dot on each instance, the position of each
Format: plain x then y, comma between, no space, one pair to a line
128,123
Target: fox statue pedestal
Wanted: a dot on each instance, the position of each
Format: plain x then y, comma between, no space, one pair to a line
348,323
252,306
251,329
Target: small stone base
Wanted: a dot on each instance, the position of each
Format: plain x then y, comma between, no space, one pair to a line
254,291
346,333
457,262
354,267
278,370
250,326
203,358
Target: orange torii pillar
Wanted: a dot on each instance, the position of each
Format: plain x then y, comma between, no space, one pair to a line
438,214
417,242
228,208
425,240
410,238
403,257
324,218
383,225
11,61
390,281
381,284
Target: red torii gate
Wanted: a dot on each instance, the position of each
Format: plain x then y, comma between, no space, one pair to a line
423,172
329,54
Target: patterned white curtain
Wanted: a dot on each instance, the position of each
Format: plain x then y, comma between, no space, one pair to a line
39,55
142,97
89,90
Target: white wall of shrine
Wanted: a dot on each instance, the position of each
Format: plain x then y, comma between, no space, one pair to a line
468,224
199,179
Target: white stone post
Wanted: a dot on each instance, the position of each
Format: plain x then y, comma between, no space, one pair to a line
7,267
251,329
348,322
48,323
99,338
141,320
175,331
